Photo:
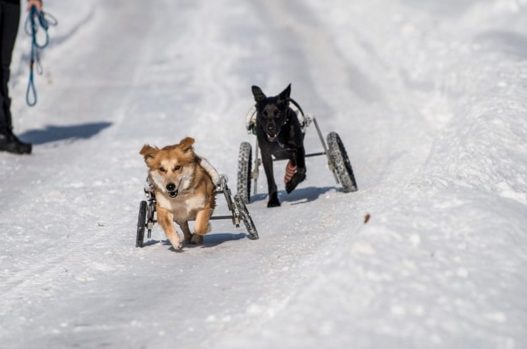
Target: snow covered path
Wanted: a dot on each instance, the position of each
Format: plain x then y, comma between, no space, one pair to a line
429,99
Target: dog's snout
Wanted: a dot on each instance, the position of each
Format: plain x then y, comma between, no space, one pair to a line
171,187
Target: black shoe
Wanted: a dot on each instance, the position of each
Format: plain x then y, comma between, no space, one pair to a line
11,144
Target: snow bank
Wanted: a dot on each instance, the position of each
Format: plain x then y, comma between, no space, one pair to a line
429,99
442,261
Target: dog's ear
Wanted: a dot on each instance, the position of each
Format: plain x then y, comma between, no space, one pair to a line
186,144
148,152
284,95
258,94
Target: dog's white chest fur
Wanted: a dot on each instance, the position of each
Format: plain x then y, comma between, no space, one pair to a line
183,207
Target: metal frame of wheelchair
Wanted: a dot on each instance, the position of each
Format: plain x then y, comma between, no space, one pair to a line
239,212
334,150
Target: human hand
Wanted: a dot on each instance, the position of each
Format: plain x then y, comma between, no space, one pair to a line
36,3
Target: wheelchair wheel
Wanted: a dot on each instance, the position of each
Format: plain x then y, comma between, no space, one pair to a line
341,163
141,224
246,218
244,172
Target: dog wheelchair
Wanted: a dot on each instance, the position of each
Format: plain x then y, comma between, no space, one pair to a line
337,157
239,212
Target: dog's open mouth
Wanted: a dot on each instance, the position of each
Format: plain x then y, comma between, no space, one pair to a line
173,194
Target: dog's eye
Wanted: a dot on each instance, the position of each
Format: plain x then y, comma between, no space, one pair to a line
265,113
275,113
177,168
162,169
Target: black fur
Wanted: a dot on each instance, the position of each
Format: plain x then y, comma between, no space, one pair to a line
279,135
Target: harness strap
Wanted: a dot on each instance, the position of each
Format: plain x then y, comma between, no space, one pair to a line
297,105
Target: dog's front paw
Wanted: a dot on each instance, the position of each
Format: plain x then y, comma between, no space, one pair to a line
296,180
196,239
273,202
177,245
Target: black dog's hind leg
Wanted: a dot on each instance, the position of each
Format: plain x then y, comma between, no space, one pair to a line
271,184
299,160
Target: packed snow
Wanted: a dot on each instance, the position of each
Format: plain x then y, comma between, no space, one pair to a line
429,98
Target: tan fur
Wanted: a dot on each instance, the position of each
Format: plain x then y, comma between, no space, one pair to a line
179,164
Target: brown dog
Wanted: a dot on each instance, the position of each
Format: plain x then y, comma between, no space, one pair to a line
184,190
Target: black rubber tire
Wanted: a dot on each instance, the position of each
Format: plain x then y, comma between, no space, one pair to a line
150,218
141,224
246,218
244,172
341,163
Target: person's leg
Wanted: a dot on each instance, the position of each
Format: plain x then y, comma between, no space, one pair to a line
9,20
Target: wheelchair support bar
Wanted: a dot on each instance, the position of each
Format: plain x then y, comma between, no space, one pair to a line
307,156
213,218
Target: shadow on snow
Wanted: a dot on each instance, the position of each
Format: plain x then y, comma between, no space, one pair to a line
64,133
298,196
209,240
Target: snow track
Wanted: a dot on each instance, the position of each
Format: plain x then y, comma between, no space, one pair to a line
427,96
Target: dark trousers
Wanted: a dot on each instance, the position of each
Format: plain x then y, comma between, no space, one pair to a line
9,20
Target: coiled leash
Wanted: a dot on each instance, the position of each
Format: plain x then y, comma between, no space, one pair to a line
36,19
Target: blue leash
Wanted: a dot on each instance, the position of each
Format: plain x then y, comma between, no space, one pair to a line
35,20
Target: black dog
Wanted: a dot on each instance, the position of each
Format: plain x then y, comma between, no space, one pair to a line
280,135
